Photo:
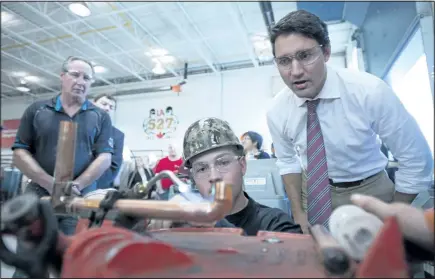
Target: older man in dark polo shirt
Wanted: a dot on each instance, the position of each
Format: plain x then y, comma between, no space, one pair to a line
107,103
34,150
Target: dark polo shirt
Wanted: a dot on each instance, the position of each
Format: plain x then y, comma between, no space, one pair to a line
106,180
39,130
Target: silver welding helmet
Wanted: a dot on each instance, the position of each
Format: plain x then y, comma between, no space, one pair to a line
207,134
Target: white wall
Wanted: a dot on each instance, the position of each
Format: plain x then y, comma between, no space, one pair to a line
240,97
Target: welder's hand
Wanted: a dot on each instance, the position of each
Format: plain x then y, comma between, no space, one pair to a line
415,224
75,189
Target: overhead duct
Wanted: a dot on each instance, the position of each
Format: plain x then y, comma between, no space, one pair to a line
267,11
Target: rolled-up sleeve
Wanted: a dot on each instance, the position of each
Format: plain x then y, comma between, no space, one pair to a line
25,134
401,133
287,159
104,142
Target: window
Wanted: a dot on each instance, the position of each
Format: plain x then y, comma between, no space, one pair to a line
409,78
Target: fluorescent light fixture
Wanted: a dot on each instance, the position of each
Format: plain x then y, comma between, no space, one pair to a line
159,70
23,88
157,52
6,17
80,9
167,59
19,74
31,78
99,69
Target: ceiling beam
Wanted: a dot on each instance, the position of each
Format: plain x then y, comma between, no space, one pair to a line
38,47
98,16
201,36
186,34
77,37
15,89
241,27
133,70
148,32
39,85
29,64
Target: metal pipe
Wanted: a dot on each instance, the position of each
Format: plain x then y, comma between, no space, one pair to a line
65,158
166,210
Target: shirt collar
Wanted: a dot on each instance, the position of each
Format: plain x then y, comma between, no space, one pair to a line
331,89
57,104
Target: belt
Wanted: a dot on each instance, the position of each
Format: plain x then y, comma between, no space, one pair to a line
349,184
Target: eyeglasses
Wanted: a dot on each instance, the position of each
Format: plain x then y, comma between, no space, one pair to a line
222,165
75,75
304,57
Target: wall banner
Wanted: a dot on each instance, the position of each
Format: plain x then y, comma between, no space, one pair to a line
160,123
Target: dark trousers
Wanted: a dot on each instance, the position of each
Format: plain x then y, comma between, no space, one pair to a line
66,224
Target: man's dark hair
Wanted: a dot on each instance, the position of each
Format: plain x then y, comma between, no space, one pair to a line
108,96
168,109
303,23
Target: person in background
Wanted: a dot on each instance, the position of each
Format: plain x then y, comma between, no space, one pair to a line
172,162
272,149
325,123
107,103
252,143
142,171
34,150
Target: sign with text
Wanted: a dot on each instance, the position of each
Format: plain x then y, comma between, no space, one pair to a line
10,129
160,124
255,181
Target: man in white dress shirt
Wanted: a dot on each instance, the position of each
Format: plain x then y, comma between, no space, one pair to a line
324,126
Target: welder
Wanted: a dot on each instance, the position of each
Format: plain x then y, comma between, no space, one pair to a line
212,153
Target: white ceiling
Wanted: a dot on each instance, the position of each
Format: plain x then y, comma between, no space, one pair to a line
36,37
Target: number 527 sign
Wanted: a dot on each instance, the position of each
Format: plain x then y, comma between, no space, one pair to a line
161,123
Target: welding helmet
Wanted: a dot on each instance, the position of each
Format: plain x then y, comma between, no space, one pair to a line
208,134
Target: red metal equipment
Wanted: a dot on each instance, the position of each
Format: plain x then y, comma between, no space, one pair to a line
218,252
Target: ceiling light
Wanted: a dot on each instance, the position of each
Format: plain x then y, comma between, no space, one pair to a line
23,88
6,17
31,78
80,9
157,52
99,69
262,45
19,74
167,59
159,70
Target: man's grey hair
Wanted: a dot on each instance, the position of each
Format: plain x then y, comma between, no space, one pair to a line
75,58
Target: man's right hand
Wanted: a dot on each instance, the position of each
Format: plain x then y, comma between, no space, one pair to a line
302,220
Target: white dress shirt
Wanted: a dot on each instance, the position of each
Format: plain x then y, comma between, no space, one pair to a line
354,108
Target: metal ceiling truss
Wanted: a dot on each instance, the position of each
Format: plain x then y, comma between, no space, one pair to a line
13,88
98,16
12,81
137,25
119,23
186,34
132,67
77,37
201,36
38,48
236,14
